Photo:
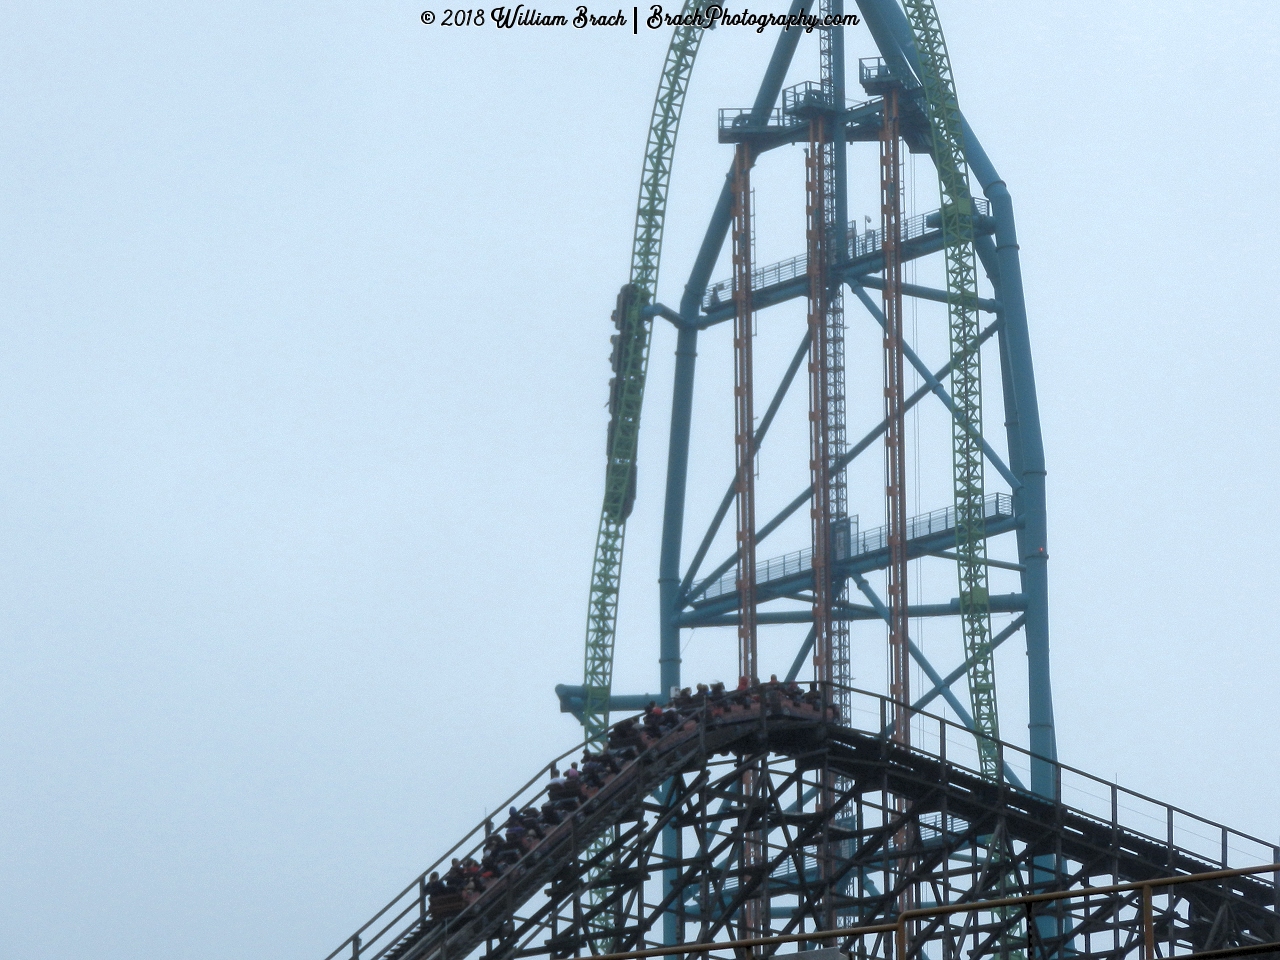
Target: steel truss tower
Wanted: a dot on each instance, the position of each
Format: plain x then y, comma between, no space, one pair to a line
912,62
743,409
913,102
769,815
827,192
895,454
910,87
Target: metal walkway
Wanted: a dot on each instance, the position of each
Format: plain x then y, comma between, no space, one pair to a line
916,231
923,534
915,821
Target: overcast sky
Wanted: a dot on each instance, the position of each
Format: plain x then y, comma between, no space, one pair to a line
303,352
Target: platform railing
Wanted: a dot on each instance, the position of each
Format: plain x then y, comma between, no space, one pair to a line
860,244
746,118
872,241
997,506
806,96
871,69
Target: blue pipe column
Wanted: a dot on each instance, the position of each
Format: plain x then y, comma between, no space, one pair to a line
673,515
1015,343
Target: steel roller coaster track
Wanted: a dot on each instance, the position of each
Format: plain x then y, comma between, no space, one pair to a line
958,235
631,364
594,883
780,814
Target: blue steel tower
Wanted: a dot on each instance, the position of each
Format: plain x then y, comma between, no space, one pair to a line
737,824
911,91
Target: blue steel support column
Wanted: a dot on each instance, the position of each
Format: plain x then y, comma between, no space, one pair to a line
1013,435
673,517
1013,431
888,24
1015,344
681,412
1033,535
1047,869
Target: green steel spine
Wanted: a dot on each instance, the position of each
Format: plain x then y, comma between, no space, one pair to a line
966,376
635,333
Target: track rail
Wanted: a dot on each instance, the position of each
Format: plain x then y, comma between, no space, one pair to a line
631,365
1088,821
958,221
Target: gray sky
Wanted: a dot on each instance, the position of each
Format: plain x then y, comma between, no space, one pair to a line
304,356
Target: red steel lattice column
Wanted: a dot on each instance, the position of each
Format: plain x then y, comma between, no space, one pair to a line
754,911
895,469
819,441
895,454
744,415
820,512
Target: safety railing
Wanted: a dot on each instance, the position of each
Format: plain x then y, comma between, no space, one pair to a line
1122,813
913,228
733,119
1118,809
997,506
409,907
798,102
768,276
862,244
809,95
873,69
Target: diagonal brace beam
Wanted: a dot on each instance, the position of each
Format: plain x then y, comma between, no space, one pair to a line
802,656
765,421
918,656
946,555
940,391
844,460
924,293
961,670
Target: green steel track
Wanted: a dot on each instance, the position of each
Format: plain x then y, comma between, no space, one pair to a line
632,362
966,372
